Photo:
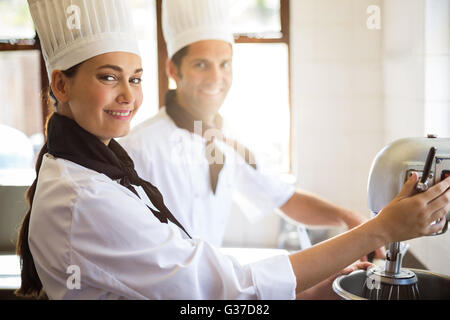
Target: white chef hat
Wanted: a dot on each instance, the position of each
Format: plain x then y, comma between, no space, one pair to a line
188,21
72,31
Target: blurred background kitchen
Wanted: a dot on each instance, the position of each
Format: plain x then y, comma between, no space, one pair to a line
330,82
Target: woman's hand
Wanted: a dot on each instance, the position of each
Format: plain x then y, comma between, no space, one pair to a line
410,215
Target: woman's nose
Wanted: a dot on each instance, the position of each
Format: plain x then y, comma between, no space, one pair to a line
126,95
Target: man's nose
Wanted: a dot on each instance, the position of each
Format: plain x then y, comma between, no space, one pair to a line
215,73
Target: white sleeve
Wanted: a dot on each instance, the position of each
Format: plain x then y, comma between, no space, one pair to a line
259,194
123,249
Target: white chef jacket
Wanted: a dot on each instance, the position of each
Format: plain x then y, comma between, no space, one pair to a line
173,159
84,219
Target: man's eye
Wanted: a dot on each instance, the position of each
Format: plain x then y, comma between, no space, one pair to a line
200,65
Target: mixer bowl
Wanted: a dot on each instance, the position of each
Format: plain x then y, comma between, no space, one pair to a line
432,286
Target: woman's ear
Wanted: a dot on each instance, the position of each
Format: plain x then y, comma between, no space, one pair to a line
60,86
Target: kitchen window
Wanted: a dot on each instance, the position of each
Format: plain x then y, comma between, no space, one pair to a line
21,82
20,62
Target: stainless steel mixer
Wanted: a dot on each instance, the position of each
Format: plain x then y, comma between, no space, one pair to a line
430,159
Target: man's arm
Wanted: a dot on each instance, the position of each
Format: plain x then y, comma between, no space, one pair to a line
312,210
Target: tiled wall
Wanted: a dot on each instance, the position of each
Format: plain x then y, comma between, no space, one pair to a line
337,95
437,67
404,69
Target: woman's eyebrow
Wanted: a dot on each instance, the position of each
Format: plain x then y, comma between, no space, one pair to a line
117,68
110,66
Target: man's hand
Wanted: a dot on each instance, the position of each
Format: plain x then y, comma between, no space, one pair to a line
377,254
324,290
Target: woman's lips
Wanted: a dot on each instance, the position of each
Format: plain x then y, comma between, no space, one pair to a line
120,114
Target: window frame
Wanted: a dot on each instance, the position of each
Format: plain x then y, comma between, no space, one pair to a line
25,45
163,80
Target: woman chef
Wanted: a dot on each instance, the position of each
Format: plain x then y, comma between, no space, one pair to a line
91,213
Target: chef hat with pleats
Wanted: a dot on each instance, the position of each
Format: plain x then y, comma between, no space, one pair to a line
188,21
72,31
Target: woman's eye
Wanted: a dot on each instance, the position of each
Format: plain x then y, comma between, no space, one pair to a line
136,80
107,78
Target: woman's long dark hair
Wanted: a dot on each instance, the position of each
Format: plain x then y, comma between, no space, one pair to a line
31,285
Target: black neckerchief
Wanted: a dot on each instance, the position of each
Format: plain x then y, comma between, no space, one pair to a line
67,140
185,120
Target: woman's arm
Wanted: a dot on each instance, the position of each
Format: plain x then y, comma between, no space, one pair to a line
405,217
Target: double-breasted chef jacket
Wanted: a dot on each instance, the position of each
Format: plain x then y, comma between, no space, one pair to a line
173,159
84,221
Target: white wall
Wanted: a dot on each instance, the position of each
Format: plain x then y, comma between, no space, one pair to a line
437,67
337,96
403,69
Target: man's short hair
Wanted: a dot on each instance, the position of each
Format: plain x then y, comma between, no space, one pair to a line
177,58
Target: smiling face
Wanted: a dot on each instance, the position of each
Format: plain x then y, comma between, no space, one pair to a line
104,94
204,77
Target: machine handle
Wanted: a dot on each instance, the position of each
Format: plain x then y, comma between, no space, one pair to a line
428,164
422,185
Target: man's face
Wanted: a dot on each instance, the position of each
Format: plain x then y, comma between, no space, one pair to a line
204,77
